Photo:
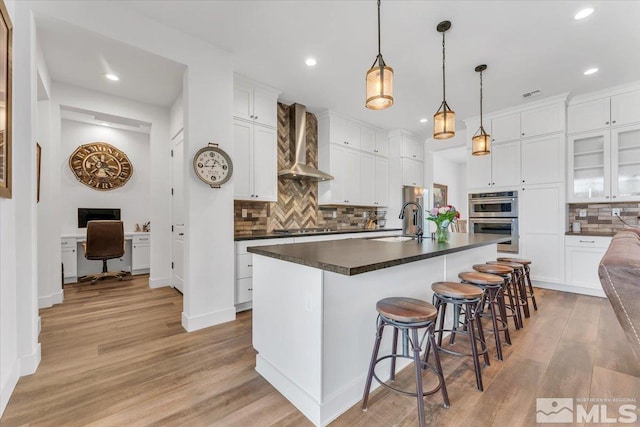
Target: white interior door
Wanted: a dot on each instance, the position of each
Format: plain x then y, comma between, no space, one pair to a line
177,214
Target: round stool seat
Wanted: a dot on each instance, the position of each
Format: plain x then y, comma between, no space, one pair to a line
457,290
514,265
518,260
406,310
481,278
493,269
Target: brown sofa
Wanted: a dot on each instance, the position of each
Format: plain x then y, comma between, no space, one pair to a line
619,272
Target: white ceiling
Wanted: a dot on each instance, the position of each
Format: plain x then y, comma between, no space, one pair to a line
527,45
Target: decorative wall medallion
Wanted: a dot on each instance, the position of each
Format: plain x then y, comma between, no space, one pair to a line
100,166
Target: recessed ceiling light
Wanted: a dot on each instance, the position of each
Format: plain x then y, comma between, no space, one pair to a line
590,71
310,62
423,120
112,77
583,13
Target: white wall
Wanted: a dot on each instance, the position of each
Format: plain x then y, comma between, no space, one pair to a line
134,198
453,175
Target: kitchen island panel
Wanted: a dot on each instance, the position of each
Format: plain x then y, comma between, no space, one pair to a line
314,329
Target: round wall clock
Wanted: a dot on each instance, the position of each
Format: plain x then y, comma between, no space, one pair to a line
100,166
213,165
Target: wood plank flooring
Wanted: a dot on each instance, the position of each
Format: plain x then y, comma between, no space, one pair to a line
115,354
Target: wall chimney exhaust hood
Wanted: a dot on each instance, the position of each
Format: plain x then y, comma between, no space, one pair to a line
299,169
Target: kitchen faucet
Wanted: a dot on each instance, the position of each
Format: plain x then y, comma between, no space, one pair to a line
417,223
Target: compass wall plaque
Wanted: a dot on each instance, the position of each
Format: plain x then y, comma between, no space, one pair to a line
100,166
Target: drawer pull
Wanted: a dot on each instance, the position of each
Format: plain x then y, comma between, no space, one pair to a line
587,241
180,234
249,265
249,289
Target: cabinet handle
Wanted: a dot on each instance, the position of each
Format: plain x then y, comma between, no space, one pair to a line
587,241
606,123
180,234
346,142
413,155
256,117
65,243
249,265
522,133
606,197
250,289
134,247
613,121
73,250
613,197
523,180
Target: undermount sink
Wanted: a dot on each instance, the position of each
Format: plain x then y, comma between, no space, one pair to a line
397,239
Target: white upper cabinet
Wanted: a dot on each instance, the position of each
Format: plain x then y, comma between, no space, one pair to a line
588,116
344,132
505,128
381,182
412,148
528,123
412,172
542,120
528,148
255,162
255,102
368,140
382,144
543,159
344,188
617,110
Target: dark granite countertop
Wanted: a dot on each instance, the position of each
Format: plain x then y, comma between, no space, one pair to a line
259,236
356,256
591,233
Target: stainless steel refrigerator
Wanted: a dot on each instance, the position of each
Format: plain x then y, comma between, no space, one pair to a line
412,216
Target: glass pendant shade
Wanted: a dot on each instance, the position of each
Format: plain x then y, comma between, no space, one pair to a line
444,122
480,143
379,86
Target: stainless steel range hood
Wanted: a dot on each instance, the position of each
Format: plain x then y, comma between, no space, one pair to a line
299,169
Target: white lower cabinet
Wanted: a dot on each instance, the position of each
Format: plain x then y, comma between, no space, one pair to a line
244,259
140,254
69,259
542,230
583,255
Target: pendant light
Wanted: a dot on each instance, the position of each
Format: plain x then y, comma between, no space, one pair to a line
379,80
444,121
481,140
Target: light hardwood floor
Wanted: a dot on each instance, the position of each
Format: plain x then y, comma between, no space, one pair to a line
115,354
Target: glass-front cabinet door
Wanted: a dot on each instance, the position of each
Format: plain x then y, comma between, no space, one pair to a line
589,158
625,163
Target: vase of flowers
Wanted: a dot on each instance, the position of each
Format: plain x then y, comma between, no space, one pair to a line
443,216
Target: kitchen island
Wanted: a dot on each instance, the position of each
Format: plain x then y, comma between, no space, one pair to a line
314,309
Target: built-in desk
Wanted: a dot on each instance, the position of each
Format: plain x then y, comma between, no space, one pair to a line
136,257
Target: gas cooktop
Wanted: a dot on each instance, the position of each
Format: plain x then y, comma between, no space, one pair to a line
303,230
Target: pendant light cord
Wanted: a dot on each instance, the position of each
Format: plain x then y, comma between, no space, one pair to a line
443,85
481,99
379,28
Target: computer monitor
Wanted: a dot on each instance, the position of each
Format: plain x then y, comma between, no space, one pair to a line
90,214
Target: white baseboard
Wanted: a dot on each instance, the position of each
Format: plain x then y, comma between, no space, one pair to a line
159,282
331,407
46,301
202,321
9,385
244,306
572,289
30,362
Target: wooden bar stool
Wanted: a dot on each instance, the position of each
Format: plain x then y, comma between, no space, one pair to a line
466,300
507,275
527,274
519,286
407,315
492,286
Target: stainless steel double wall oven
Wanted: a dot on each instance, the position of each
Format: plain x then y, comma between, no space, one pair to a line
495,213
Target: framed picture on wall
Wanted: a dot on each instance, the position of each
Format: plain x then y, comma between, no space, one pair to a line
5,101
439,195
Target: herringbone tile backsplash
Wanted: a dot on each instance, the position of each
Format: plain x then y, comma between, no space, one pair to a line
297,205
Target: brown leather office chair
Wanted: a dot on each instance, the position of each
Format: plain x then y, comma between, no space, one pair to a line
105,241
